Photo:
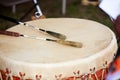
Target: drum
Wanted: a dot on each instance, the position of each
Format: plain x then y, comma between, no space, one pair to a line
24,58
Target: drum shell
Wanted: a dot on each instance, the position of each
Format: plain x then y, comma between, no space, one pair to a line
61,70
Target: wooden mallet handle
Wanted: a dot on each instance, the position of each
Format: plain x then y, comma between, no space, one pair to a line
10,33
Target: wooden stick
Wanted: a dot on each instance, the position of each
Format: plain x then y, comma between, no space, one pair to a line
64,42
55,34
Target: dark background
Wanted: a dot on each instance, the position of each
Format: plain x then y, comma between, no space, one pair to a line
52,8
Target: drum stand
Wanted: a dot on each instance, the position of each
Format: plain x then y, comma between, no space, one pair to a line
38,13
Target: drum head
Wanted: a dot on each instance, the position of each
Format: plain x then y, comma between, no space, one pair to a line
94,36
